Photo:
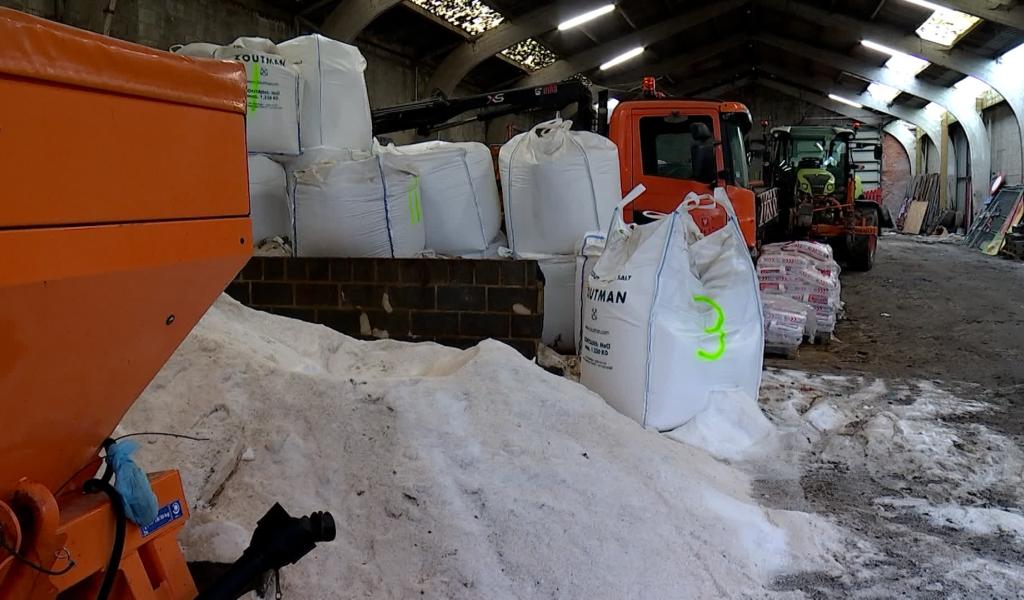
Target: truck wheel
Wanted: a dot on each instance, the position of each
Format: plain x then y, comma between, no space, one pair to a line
861,253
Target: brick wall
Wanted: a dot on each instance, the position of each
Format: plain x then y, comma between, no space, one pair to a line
453,302
895,173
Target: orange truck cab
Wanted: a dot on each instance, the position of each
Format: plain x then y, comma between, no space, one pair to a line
674,147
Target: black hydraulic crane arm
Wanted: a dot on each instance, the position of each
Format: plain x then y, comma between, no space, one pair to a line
435,113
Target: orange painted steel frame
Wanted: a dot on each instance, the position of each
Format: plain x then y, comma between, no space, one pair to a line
665,193
123,214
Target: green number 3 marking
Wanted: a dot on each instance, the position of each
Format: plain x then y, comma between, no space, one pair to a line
714,329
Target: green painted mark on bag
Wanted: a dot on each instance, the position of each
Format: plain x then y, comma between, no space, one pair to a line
713,330
415,206
254,89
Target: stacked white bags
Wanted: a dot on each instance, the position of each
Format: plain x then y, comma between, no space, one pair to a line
335,106
806,272
672,323
352,203
461,211
272,92
268,199
557,185
272,96
787,323
590,249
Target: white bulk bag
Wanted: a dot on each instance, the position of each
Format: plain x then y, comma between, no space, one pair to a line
672,320
557,184
200,49
347,203
272,96
268,199
335,107
589,250
461,209
559,271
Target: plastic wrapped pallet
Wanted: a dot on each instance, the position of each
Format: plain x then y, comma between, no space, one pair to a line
557,184
787,323
350,203
461,209
589,250
803,271
272,96
268,199
673,324
335,107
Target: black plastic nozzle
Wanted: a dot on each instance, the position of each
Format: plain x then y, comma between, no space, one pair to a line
280,539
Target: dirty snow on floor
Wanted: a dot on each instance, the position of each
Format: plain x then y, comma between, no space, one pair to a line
453,474
934,498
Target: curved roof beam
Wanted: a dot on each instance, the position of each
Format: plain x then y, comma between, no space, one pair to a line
459,62
350,17
906,139
961,106
928,123
588,59
1001,77
679,62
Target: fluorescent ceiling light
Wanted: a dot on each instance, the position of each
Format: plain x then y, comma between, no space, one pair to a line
590,15
925,4
623,57
883,92
899,61
845,101
972,86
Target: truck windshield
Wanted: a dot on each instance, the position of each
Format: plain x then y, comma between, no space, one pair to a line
666,145
736,154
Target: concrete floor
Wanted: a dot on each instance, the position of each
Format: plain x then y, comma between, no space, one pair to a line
932,311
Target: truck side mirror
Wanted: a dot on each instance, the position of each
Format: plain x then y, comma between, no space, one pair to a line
704,168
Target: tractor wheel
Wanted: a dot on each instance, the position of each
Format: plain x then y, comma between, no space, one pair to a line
861,253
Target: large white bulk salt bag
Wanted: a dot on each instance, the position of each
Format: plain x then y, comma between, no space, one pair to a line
557,184
673,321
268,199
461,209
347,203
272,96
590,248
200,49
559,271
335,107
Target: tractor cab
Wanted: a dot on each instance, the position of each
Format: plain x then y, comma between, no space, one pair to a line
821,196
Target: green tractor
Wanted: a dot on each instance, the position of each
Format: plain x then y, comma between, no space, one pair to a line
820,195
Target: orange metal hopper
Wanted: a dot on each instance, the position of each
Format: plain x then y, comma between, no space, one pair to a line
123,214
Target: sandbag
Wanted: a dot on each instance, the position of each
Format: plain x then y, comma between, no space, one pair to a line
272,96
673,319
335,107
349,203
268,199
557,184
461,209
589,250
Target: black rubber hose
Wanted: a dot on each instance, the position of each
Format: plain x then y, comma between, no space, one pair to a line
120,527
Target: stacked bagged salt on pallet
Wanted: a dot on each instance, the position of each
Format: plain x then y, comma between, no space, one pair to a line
806,272
787,323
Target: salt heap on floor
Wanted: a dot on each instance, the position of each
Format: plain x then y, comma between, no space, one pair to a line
452,474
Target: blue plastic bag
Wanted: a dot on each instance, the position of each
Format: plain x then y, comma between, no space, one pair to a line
139,500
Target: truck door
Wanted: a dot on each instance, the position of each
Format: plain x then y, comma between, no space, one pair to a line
662,157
